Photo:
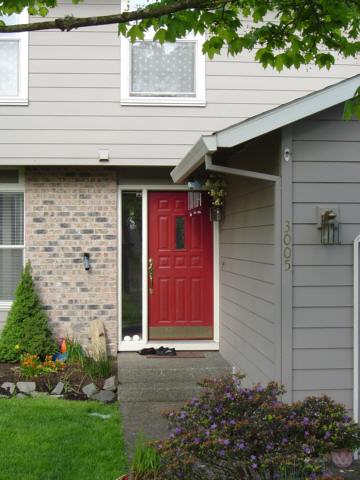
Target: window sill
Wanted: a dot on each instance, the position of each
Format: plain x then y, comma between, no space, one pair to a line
162,101
14,101
5,306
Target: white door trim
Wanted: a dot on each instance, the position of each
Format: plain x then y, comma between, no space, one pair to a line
178,344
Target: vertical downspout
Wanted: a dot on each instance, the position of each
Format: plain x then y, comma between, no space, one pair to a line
356,331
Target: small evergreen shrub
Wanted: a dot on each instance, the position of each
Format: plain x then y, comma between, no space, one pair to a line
232,432
26,329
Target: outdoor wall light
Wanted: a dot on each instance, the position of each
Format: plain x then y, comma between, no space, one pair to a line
104,155
329,226
86,261
194,185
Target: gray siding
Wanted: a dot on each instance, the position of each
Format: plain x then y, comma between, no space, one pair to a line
326,170
247,289
3,315
75,109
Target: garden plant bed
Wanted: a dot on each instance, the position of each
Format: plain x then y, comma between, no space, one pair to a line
73,377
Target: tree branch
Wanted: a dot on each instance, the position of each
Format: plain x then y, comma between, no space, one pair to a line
68,23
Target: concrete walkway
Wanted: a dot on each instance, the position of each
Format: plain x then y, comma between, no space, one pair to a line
149,386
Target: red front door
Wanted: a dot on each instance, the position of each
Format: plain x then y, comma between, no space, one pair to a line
181,267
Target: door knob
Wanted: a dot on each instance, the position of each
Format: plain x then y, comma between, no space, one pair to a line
151,275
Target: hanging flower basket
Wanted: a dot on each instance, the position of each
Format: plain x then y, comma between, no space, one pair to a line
216,213
216,186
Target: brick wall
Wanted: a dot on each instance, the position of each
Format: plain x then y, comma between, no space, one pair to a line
70,211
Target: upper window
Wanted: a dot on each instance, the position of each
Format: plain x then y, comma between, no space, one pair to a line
14,63
162,74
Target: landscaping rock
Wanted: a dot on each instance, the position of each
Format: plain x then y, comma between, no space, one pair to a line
39,394
104,396
9,386
110,384
26,387
21,395
89,389
58,390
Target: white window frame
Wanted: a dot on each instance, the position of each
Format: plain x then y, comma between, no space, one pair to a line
198,100
23,38
13,188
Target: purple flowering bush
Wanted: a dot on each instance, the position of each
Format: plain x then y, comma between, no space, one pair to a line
232,432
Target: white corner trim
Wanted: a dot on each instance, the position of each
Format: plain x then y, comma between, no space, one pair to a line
356,331
216,281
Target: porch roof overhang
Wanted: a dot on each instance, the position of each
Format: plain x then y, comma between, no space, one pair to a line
264,123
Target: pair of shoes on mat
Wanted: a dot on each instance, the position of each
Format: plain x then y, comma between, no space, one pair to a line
165,351
162,351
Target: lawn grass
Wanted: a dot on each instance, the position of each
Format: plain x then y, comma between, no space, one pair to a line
52,439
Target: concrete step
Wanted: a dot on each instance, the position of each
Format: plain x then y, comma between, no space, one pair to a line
171,392
146,420
130,375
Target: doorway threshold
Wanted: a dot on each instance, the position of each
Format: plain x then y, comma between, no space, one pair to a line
181,345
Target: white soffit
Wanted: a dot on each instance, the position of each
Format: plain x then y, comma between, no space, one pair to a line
265,122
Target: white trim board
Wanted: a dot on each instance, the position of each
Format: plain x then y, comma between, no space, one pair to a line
356,383
144,342
264,123
5,306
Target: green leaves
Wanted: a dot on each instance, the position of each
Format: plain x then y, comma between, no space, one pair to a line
278,33
26,329
352,107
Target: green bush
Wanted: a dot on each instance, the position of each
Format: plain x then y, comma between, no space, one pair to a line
26,329
98,367
146,464
233,432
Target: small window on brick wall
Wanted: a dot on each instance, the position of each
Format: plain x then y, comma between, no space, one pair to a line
11,235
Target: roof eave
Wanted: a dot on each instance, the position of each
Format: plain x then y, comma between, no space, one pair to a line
194,158
264,123
288,113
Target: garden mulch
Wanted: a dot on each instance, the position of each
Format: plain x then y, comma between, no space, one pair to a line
73,377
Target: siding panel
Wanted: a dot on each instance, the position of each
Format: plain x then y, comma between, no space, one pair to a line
326,172
247,308
75,86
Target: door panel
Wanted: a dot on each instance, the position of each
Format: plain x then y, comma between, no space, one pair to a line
181,250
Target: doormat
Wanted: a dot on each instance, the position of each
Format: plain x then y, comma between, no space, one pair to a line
179,354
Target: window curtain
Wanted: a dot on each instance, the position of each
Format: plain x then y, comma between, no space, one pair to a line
9,68
163,69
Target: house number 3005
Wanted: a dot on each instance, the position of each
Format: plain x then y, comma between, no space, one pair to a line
287,251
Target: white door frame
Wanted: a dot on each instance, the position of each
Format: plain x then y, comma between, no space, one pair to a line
178,344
